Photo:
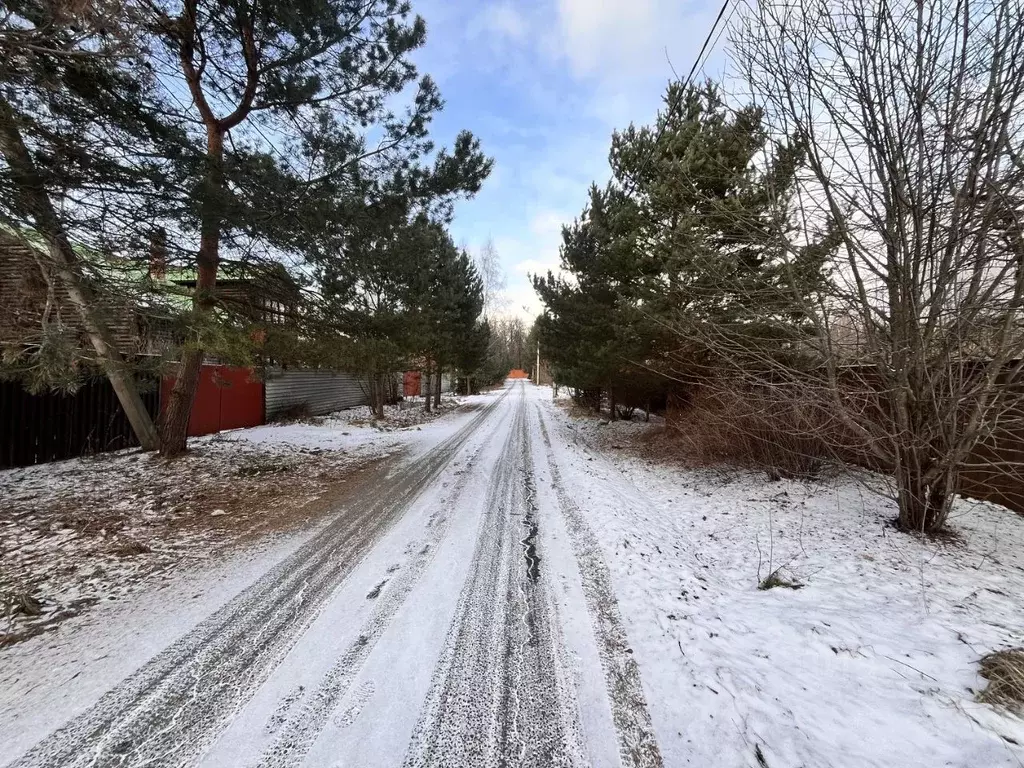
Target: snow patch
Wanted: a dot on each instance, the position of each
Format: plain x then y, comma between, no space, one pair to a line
872,663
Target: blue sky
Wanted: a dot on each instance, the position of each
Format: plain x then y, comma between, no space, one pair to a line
543,83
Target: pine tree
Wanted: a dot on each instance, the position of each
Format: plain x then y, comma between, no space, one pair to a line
79,159
466,338
287,97
471,357
678,259
446,298
400,294
594,331
712,196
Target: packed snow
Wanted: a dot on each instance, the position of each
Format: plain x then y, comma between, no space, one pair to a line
74,533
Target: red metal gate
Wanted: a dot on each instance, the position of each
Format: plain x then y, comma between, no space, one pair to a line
227,398
411,383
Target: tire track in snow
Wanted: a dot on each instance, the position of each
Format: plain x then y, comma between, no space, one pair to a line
638,747
357,700
298,735
499,696
170,711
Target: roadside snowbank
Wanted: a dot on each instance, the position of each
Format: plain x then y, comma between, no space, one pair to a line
872,661
353,427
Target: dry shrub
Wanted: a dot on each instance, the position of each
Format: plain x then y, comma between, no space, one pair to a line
775,429
587,398
575,410
777,579
1004,671
130,548
21,602
293,413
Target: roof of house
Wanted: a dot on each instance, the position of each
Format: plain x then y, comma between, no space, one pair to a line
135,302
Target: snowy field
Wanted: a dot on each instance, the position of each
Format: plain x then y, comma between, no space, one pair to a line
871,662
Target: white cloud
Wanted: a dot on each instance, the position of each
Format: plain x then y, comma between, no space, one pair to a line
602,33
548,224
628,37
534,251
628,49
523,301
504,19
548,80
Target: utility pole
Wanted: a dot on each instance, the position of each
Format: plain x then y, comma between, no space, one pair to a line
536,375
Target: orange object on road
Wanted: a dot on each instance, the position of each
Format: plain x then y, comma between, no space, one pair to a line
515,373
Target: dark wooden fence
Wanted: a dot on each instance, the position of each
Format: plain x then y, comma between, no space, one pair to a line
993,471
50,427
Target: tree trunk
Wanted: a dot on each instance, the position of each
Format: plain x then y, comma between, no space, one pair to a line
437,388
611,403
426,385
175,426
65,261
371,383
188,40
924,503
376,395
177,414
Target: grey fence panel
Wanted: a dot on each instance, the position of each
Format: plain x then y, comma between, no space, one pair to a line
446,383
320,391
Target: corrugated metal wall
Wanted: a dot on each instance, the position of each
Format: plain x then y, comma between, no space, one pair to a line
321,391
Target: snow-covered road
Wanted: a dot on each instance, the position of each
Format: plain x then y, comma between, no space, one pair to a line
455,612
508,589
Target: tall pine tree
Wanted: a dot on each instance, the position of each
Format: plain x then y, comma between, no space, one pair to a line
291,105
678,259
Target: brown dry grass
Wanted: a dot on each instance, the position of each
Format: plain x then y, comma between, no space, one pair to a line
722,426
1004,671
67,547
726,429
577,411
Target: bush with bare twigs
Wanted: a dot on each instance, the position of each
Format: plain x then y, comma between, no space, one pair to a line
914,159
752,428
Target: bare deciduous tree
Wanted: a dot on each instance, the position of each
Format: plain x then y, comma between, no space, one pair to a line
911,115
488,266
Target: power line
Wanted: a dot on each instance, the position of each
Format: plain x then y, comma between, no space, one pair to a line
708,46
707,41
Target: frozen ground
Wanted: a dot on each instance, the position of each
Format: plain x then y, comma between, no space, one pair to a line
871,662
77,533
511,589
